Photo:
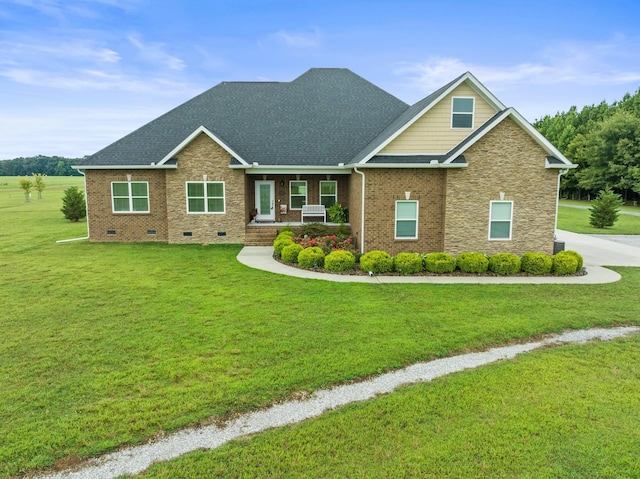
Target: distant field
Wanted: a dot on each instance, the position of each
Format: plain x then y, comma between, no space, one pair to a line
577,220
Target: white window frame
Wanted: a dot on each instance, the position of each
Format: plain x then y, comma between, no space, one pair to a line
206,198
491,220
129,197
471,113
334,196
417,203
306,194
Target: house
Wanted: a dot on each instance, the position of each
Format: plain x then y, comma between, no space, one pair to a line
457,171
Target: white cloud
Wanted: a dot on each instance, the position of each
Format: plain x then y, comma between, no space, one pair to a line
154,52
301,40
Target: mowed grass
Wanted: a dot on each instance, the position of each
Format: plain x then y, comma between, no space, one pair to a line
111,344
558,413
577,220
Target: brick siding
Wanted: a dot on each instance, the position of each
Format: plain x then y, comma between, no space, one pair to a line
505,160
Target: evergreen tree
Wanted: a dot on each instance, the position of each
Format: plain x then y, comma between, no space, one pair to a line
605,208
74,207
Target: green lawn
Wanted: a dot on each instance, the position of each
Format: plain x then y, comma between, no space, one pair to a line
577,220
108,344
567,412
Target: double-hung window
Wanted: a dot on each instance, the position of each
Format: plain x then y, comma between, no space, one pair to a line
406,219
462,112
500,219
297,194
130,196
205,197
328,193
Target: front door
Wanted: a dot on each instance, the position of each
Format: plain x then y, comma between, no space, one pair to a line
265,200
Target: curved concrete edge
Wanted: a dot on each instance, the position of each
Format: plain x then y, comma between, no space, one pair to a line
136,459
599,251
261,257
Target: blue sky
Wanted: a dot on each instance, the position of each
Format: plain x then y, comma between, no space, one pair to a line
76,75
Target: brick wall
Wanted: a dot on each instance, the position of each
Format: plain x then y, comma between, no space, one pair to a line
505,160
104,225
383,187
201,157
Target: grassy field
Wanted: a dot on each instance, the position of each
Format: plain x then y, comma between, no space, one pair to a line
109,344
577,220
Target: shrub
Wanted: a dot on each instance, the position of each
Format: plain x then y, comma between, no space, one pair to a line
536,263
565,262
339,261
439,263
578,257
407,263
338,214
311,258
376,262
472,262
286,234
504,264
280,243
290,253
74,207
314,230
604,209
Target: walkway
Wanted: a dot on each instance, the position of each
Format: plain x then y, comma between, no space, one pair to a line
135,460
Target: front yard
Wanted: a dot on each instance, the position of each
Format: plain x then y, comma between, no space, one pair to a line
108,344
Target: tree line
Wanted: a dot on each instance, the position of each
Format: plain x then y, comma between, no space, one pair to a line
46,165
604,140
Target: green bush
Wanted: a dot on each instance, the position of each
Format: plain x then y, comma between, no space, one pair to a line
280,243
339,261
472,262
286,234
439,263
376,262
312,257
564,263
504,264
578,257
407,263
290,253
314,230
536,263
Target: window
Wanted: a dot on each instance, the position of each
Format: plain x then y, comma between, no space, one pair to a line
130,196
328,193
406,219
205,197
297,194
500,216
462,112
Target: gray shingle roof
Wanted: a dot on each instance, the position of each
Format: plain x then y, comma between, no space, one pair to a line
324,117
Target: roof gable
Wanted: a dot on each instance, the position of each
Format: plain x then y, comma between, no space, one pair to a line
416,111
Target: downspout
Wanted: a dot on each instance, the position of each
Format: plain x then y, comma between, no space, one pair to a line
86,207
555,226
355,168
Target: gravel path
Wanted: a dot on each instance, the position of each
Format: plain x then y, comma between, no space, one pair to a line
136,459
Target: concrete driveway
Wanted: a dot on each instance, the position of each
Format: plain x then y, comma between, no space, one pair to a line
602,252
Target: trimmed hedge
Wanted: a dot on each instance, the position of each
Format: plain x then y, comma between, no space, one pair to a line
578,256
376,262
280,243
339,261
472,262
311,258
564,263
285,234
504,264
439,263
290,253
535,263
407,263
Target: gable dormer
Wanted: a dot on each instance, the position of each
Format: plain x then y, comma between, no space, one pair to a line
449,121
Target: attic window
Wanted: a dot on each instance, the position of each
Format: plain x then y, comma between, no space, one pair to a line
462,112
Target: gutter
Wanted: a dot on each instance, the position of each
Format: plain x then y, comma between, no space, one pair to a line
560,173
355,168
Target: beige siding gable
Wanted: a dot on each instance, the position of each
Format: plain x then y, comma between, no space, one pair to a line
432,133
